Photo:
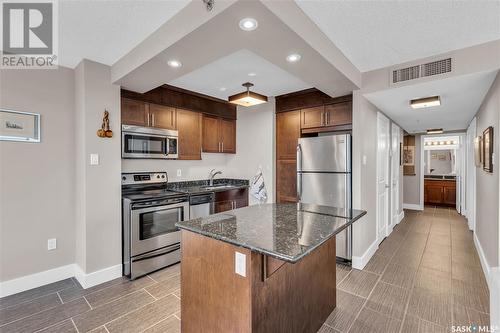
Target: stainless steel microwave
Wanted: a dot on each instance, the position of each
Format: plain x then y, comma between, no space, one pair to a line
146,142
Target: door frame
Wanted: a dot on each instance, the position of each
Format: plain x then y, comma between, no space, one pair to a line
470,195
388,178
461,181
394,174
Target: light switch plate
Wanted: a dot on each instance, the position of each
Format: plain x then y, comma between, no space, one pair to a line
51,244
179,172
94,159
240,264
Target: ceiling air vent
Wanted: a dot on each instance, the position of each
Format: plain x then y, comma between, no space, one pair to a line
419,71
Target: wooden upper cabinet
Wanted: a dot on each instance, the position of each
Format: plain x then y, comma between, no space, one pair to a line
189,127
211,135
134,112
228,136
162,116
338,114
312,117
287,135
219,135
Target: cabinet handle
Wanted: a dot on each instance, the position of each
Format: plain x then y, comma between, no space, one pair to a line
149,116
328,118
322,116
222,150
152,119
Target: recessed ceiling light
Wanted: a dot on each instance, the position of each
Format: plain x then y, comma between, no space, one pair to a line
222,88
426,102
248,24
252,74
174,63
294,57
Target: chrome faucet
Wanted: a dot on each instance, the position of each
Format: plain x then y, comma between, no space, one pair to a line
211,176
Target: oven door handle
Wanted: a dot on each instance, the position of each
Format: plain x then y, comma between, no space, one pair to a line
156,203
157,253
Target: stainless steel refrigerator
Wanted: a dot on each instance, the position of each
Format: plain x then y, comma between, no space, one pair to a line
324,178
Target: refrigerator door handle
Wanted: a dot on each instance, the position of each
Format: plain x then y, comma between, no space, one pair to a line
299,171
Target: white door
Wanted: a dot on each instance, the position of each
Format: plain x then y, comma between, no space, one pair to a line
383,180
394,175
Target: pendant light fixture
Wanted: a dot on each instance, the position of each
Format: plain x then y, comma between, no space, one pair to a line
247,98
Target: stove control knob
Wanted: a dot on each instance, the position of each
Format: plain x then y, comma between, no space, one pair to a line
124,178
162,176
157,176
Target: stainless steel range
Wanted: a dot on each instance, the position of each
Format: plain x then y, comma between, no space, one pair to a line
150,239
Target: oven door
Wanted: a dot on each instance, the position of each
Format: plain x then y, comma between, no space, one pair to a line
143,145
154,227
172,147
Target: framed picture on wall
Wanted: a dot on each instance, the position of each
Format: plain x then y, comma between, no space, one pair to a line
488,149
19,126
478,151
409,156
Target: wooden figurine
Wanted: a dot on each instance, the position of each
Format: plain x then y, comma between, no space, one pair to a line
104,131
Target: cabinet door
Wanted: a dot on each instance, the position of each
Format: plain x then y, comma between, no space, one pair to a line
312,117
286,181
134,112
162,116
189,127
287,135
450,195
338,114
223,206
211,142
434,194
228,136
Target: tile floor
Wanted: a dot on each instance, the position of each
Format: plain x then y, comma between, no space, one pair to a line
425,277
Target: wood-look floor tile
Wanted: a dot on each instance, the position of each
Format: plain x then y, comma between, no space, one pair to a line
341,272
109,294
388,247
348,307
327,329
408,257
399,275
413,324
463,316
170,324
442,250
44,319
110,311
469,274
433,280
63,327
478,317
145,317
374,322
377,264
26,309
166,273
100,329
77,291
435,261
389,300
31,294
430,306
461,257
166,287
471,296
359,283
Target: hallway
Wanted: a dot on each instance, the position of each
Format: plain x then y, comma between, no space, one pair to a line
425,277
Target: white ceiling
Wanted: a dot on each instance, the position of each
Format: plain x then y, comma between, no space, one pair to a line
376,34
104,31
461,97
231,71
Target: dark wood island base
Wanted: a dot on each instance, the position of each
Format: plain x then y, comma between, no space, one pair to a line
274,296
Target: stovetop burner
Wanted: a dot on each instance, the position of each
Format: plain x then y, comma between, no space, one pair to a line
147,185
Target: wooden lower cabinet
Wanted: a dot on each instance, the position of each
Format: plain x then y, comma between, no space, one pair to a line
189,127
231,199
440,192
286,181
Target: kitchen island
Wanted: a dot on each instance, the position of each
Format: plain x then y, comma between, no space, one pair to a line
263,268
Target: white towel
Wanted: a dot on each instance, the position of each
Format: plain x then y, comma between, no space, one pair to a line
258,188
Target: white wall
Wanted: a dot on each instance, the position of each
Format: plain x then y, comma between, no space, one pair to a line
36,179
254,148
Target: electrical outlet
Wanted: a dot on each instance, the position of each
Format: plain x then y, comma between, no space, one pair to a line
94,159
52,244
240,263
179,173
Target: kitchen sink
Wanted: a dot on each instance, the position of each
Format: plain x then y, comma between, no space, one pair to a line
217,187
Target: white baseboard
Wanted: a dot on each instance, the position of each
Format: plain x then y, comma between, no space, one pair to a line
495,297
97,277
412,207
35,280
401,216
484,262
360,262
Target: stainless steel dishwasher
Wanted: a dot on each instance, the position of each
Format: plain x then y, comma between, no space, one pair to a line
201,205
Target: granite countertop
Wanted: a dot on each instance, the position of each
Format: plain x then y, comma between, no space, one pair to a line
285,231
198,186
